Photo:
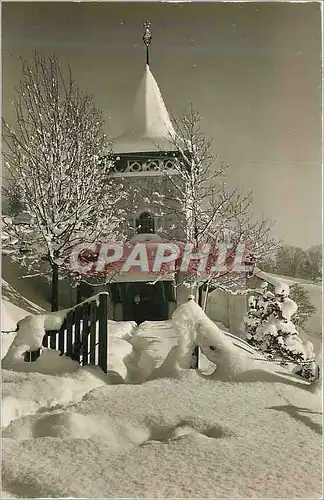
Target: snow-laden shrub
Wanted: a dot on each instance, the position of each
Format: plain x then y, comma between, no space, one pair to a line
269,327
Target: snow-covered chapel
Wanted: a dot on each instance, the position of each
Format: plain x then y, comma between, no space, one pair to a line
144,157
141,155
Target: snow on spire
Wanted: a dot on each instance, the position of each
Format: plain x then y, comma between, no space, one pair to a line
149,126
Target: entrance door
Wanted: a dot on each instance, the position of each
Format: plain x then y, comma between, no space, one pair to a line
144,302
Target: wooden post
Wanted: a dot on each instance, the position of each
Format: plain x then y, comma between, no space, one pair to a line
55,286
61,336
69,332
46,340
195,354
103,332
85,333
76,348
78,293
93,331
52,336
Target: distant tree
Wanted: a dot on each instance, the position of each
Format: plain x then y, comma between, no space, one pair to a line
305,307
290,261
314,262
58,194
268,263
295,262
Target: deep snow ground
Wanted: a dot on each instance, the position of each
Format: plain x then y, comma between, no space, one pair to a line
192,437
248,430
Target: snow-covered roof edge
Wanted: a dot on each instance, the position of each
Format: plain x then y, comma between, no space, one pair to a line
267,277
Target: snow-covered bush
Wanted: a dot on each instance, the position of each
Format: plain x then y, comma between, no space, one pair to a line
269,328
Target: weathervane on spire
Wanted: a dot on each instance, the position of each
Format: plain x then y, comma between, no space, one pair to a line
147,38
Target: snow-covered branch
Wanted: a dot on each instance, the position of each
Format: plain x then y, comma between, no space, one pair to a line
52,154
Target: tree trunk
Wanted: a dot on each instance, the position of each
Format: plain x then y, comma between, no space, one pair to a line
55,276
79,294
206,297
200,295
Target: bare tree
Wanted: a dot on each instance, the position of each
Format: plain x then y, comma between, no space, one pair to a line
59,194
314,262
306,308
207,211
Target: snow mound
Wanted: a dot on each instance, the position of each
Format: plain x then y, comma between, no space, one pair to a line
153,350
121,329
10,315
25,393
164,349
119,348
184,320
288,308
152,342
119,351
29,337
231,362
50,362
282,288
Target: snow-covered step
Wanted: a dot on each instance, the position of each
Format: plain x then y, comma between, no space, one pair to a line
121,329
152,342
157,329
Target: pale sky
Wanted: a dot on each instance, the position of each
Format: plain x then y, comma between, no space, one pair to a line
253,70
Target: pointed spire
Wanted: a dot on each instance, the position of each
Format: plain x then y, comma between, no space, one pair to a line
149,126
147,39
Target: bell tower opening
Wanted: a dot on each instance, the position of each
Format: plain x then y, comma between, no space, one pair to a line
145,223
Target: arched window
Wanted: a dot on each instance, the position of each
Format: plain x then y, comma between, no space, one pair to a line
145,223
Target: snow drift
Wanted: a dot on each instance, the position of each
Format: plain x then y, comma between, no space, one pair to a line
154,350
252,439
250,428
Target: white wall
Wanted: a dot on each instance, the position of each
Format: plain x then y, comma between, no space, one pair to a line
217,308
228,309
237,310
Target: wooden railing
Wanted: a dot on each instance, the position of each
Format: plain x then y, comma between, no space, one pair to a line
83,335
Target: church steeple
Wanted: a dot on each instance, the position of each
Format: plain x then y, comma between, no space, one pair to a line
149,126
